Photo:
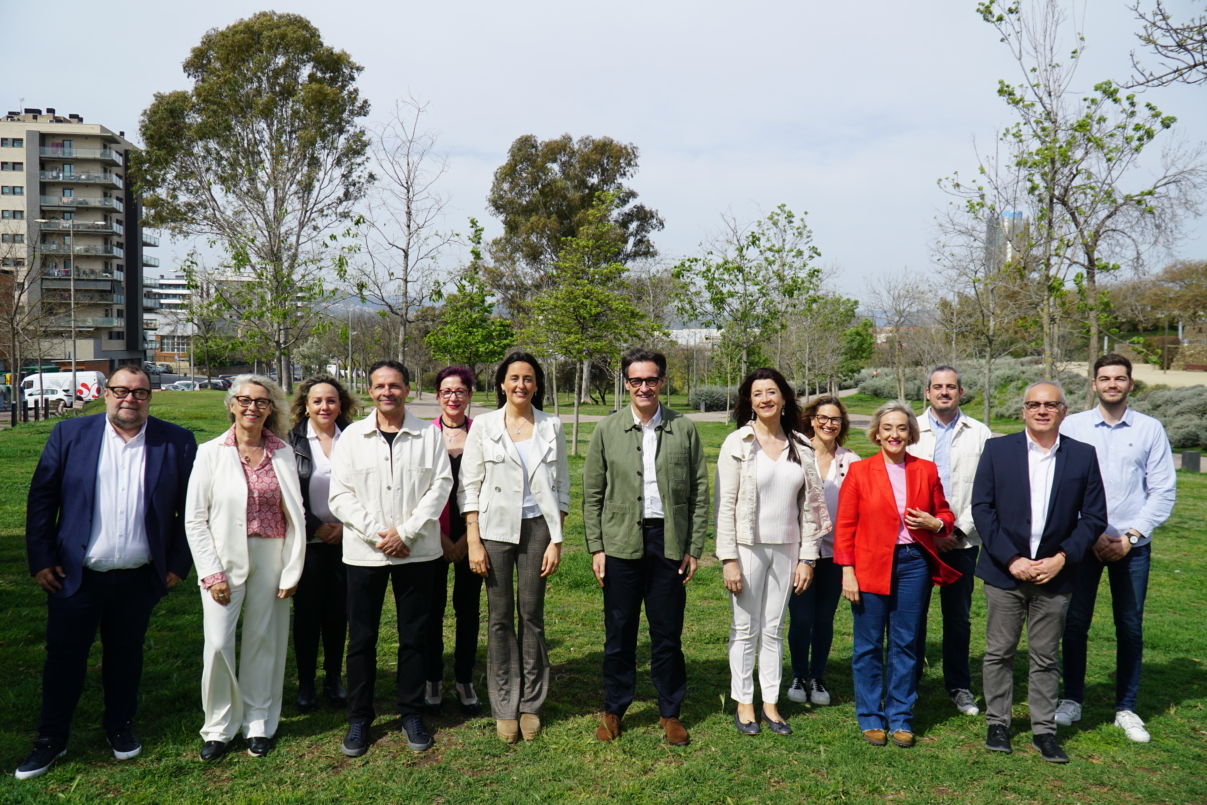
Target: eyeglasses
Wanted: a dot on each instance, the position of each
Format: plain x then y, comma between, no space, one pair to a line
1047,405
638,382
121,393
446,394
261,403
827,420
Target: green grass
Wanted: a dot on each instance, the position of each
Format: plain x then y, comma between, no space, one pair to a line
825,761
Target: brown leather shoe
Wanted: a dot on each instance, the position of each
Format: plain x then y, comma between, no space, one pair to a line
676,733
875,737
903,738
609,727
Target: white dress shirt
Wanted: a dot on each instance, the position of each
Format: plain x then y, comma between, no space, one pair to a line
1041,466
119,534
320,476
651,501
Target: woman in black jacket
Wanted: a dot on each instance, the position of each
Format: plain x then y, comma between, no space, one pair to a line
321,411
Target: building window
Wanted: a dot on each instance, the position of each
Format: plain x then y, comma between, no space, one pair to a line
15,142
7,238
6,166
6,214
117,335
5,142
12,191
18,215
174,343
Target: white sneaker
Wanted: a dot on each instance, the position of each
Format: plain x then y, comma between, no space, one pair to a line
818,693
467,695
799,692
1067,712
433,694
965,702
1132,726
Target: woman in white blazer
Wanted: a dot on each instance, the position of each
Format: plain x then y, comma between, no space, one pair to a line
770,514
246,528
515,492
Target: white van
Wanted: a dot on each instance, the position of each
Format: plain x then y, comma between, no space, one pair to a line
88,384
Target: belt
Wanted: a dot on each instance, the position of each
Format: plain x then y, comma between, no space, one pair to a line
652,522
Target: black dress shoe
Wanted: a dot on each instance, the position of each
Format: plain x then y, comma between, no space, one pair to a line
258,746
746,727
307,699
334,690
998,739
1049,750
778,727
212,750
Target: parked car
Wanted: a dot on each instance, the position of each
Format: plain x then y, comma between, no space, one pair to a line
152,369
52,399
215,385
166,368
184,385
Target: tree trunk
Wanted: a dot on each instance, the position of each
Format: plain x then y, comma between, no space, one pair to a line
577,401
988,391
584,393
553,385
616,389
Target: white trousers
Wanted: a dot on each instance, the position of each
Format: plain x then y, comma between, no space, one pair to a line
250,700
758,620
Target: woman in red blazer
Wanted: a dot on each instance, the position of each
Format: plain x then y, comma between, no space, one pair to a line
890,509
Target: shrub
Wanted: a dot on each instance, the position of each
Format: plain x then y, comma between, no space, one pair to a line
711,398
1187,432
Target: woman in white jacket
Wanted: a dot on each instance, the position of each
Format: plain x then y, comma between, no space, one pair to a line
770,514
514,495
246,529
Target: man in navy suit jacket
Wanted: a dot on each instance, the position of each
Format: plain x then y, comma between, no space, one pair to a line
104,531
1038,504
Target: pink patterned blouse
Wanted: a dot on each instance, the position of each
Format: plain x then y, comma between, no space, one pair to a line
265,515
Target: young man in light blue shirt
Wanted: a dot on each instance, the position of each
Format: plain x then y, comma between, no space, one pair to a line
1138,473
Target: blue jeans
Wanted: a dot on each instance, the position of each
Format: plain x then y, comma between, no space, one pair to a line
900,613
956,602
1129,584
812,621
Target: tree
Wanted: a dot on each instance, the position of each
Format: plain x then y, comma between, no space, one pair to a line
263,155
545,193
749,276
584,313
402,242
468,332
902,302
1182,48
24,313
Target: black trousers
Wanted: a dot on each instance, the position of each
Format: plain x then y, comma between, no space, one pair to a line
320,611
467,597
119,603
412,583
655,581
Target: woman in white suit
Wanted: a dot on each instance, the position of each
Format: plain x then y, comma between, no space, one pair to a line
515,492
246,529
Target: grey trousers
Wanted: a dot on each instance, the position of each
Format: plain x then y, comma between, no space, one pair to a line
517,661
1043,613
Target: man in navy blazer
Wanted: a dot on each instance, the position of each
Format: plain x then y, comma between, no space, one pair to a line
1038,504
104,531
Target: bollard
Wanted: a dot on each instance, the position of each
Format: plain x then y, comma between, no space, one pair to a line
1190,460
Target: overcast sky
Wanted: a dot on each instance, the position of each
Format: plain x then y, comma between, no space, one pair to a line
850,111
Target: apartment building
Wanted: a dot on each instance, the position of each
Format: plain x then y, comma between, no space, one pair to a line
72,238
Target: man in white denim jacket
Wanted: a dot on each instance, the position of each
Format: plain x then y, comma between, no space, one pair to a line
954,441
390,480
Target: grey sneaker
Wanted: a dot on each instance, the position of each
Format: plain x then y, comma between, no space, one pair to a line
1067,712
818,693
433,696
965,702
1132,726
799,692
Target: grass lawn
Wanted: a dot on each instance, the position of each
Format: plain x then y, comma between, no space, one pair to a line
825,760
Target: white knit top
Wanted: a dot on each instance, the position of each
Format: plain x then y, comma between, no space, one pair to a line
778,483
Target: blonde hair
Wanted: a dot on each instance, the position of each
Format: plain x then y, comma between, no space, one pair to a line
277,420
915,432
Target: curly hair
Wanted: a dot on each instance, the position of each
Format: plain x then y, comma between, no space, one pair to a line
275,422
811,409
743,411
347,405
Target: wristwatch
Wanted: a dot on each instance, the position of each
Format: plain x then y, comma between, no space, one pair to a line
809,562
1133,537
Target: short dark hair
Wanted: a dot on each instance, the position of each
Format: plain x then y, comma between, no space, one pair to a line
538,399
459,372
641,356
811,410
139,369
390,363
945,368
1113,359
743,412
347,405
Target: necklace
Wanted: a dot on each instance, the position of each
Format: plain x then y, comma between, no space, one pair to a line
518,427
463,426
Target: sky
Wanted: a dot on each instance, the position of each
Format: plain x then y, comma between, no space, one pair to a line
850,112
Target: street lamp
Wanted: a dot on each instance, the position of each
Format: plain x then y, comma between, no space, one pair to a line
71,280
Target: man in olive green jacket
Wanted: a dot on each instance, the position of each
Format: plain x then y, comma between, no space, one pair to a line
645,512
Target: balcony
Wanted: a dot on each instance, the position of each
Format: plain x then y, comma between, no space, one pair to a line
150,304
57,151
150,324
83,177
150,346
104,227
83,201
149,240
149,261
83,298
87,323
83,274
83,248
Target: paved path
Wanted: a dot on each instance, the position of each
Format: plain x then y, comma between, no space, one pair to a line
1153,376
